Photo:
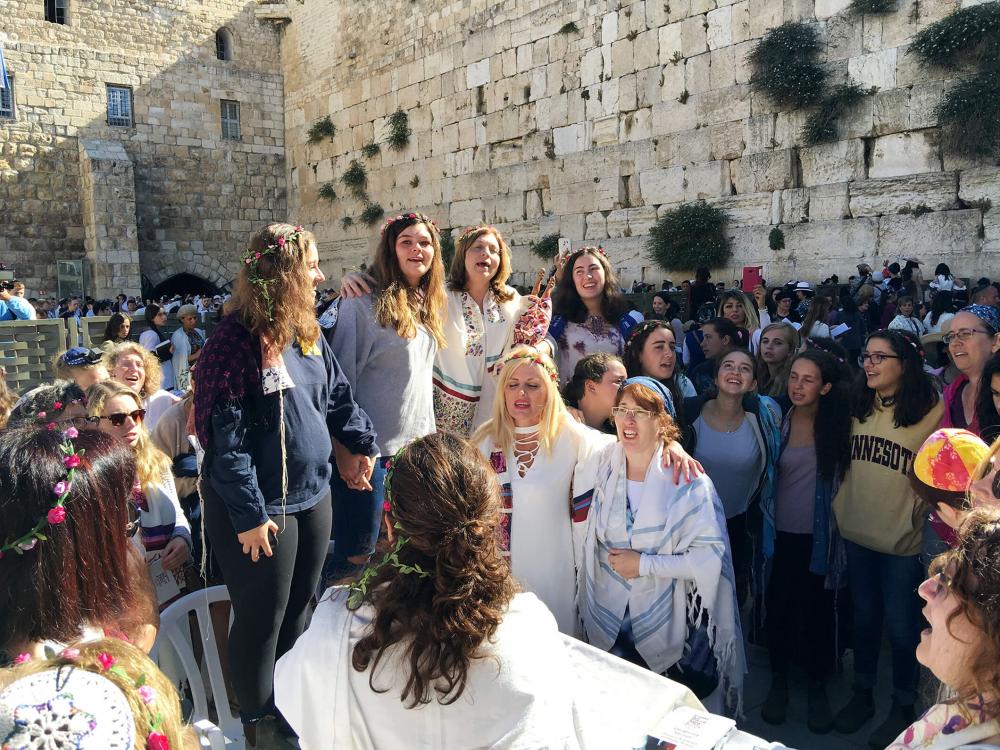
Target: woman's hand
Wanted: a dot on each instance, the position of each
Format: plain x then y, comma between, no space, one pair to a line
175,554
625,562
355,284
355,470
682,462
257,540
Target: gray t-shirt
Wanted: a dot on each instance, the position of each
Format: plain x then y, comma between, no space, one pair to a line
795,499
732,462
390,375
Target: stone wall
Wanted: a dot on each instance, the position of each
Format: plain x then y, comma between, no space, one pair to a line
592,130
196,196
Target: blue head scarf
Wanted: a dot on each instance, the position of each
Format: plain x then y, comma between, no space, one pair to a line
986,313
658,388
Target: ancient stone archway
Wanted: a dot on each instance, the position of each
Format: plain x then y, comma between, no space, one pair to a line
184,283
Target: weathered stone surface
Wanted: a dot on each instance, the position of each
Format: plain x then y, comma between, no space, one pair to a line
832,244
829,202
662,185
979,184
891,111
727,140
923,235
466,212
597,227
477,74
706,180
767,170
694,40
833,162
753,208
640,220
827,8
875,69
794,205
890,196
905,153
720,28
617,223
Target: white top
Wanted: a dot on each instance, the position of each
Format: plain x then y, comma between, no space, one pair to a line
149,340
819,330
931,327
910,324
156,404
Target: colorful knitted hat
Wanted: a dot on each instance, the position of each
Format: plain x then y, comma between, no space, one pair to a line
948,459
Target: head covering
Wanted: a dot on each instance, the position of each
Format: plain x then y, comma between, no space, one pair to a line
948,459
658,388
81,356
186,310
804,286
986,313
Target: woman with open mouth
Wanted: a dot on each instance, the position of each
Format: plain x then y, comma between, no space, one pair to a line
894,407
485,318
589,312
137,367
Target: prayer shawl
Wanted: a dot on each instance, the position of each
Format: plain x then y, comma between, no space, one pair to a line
945,725
686,524
229,368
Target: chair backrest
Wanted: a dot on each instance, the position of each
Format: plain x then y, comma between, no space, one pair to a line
93,330
173,652
27,348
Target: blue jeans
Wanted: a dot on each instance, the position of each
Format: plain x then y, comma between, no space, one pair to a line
884,586
357,516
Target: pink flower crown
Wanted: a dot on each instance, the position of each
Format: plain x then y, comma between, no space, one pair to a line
421,218
599,249
537,359
251,259
60,490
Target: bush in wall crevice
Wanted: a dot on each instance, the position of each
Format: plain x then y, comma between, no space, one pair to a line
690,236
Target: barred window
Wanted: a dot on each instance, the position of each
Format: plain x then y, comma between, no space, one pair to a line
7,100
230,119
224,44
55,11
120,106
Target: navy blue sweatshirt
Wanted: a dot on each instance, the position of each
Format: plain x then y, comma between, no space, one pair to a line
243,463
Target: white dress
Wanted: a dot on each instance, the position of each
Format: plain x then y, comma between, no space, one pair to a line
539,527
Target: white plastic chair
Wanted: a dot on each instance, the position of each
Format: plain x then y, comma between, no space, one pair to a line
173,652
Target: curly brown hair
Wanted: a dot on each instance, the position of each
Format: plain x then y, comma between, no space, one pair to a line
457,275
971,574
290,312
445,498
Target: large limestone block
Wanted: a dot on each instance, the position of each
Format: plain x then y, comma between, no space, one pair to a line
829,202
609,27
622,58
827,8
758,133
723,71
939,232
670,43
709,180
753,208
617,223
767,170
890,196
891,112
905,153
662,185
591,67
571,138
694,39
673,117
466,213
816,242
646,50
794,205
573,226
924,99
723,105
597,227
636,126
874,69
477,74
574,197
640,220
608,192
726,140
672,82
740,29
980,184
764,15
720,28
606,131
839,161
698,74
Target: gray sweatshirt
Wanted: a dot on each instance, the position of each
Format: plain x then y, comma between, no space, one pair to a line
390,375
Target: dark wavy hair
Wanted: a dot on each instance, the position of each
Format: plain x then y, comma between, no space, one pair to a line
566,300
942,303
916,395
590,368
113,326
832,427
446,500
633,363
986,410
970,573
80,574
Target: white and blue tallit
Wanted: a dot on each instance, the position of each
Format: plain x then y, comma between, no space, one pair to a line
681,533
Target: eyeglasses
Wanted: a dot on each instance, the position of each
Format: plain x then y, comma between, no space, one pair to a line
81,423
876,358
637,414
963,334
119,419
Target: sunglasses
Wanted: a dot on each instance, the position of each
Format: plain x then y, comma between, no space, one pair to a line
119,419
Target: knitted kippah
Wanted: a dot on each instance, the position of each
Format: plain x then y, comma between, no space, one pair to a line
948,458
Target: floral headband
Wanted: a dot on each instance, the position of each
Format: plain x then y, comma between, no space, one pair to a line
60,490
599,250
537,359
85,705
421,219
645,326
359,589
251,259
473,229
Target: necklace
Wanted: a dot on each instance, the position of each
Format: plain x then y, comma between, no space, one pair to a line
728,426
526,445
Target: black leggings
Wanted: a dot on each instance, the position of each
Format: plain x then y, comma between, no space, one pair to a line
271,597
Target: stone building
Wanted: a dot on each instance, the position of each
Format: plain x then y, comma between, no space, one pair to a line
589,119
144,137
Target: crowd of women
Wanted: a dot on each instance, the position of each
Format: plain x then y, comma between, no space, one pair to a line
508,475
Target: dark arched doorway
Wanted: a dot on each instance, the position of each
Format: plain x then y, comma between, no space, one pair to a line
184,283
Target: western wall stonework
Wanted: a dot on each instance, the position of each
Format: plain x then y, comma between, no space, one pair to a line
523,121
166,196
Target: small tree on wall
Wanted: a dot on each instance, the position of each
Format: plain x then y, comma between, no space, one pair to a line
547,247
786,67
689,236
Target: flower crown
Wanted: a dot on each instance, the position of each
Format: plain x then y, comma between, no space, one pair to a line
359,589
645,326
60,490
251,259
155,739
537,359
473,229
421,218
599,249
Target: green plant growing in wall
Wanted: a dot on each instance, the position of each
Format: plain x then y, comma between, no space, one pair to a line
356,179
371,215
371,150
346,223
967,36
447,248
322,129
776,239
785,65
546,248
569,27
872,7
415,181
327,192
821,125
689,236
398,125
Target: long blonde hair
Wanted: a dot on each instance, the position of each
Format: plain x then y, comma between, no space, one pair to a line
500,428
150,462
154,375
751,318
399,306
457,276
